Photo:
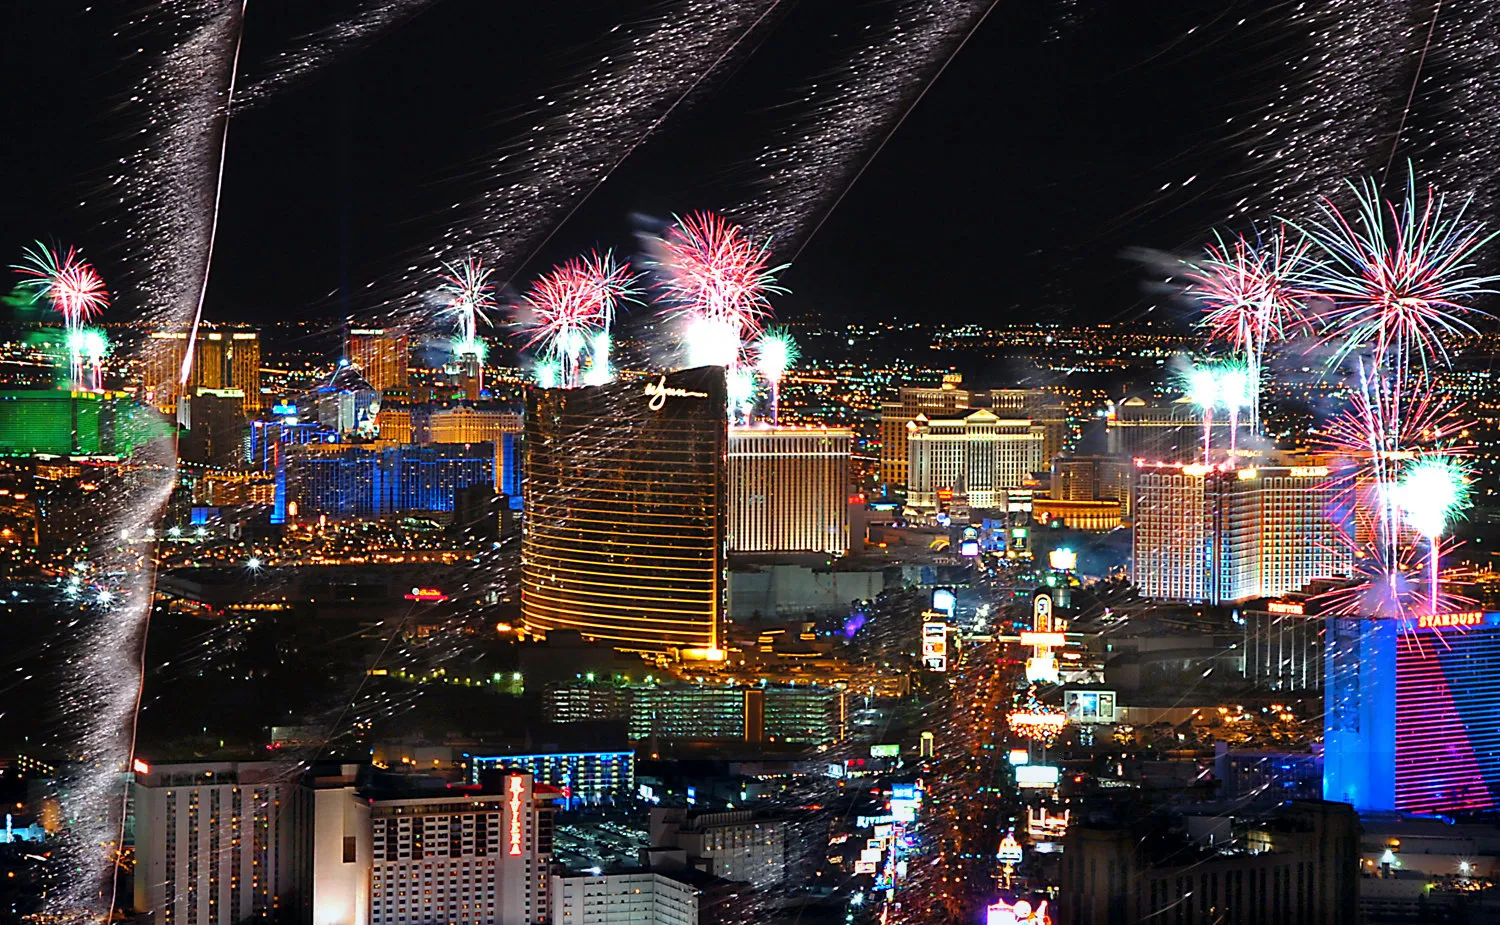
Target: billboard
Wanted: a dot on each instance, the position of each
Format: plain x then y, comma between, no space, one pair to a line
1089,706
944,601
885,751
935,646
1037,776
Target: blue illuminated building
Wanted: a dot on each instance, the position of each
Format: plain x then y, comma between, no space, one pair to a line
1411,716
585,776
361,481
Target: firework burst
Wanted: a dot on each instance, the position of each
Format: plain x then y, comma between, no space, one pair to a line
72,286
1252,294
1398,277
775,353
571,311
719,280
467,294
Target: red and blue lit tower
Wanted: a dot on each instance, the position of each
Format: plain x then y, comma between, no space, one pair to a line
1411,713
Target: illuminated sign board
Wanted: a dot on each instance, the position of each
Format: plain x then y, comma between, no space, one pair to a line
864,867
1288,607
1020,756
426,594
659,392
1042,668
1443,620
1041,613
944,601
1021,912
885,751
1037,776
1010,850
1089,706
1043,823
1063,560
871,855
1029,638
140,767
517,787
1309,472
969,548
283,410
935,646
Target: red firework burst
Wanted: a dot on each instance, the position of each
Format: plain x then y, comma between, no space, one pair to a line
69,282
1398,276
1252,290
715,270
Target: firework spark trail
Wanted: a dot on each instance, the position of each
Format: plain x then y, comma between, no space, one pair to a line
586,131
1337,101
850,117
321,48
168,188
1434,491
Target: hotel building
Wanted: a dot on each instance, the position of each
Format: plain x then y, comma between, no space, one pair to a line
789,489
1409,716
383,357
625,531
401,855
213,842
223,359
978,456
1221,535
894,416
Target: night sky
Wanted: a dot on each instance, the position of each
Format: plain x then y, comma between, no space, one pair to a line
1010,192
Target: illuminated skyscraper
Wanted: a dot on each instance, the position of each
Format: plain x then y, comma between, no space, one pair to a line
978,456
789,489
1409,718
624,537
383,357
1230,535
222,359
894,416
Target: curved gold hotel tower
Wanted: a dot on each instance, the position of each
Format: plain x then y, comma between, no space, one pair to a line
624,533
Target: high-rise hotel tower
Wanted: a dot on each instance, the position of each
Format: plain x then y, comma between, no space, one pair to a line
625,529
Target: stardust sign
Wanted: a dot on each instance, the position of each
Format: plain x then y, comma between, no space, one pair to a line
1444,620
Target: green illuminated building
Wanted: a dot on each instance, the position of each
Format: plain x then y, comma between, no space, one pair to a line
67,423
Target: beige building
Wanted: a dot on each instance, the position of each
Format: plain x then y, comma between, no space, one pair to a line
1231,535
977,456
896,415
789,489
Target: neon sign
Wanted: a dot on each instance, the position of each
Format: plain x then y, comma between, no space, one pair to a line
1030,638
517,786
1440,620
659,392
1287,607
426,594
